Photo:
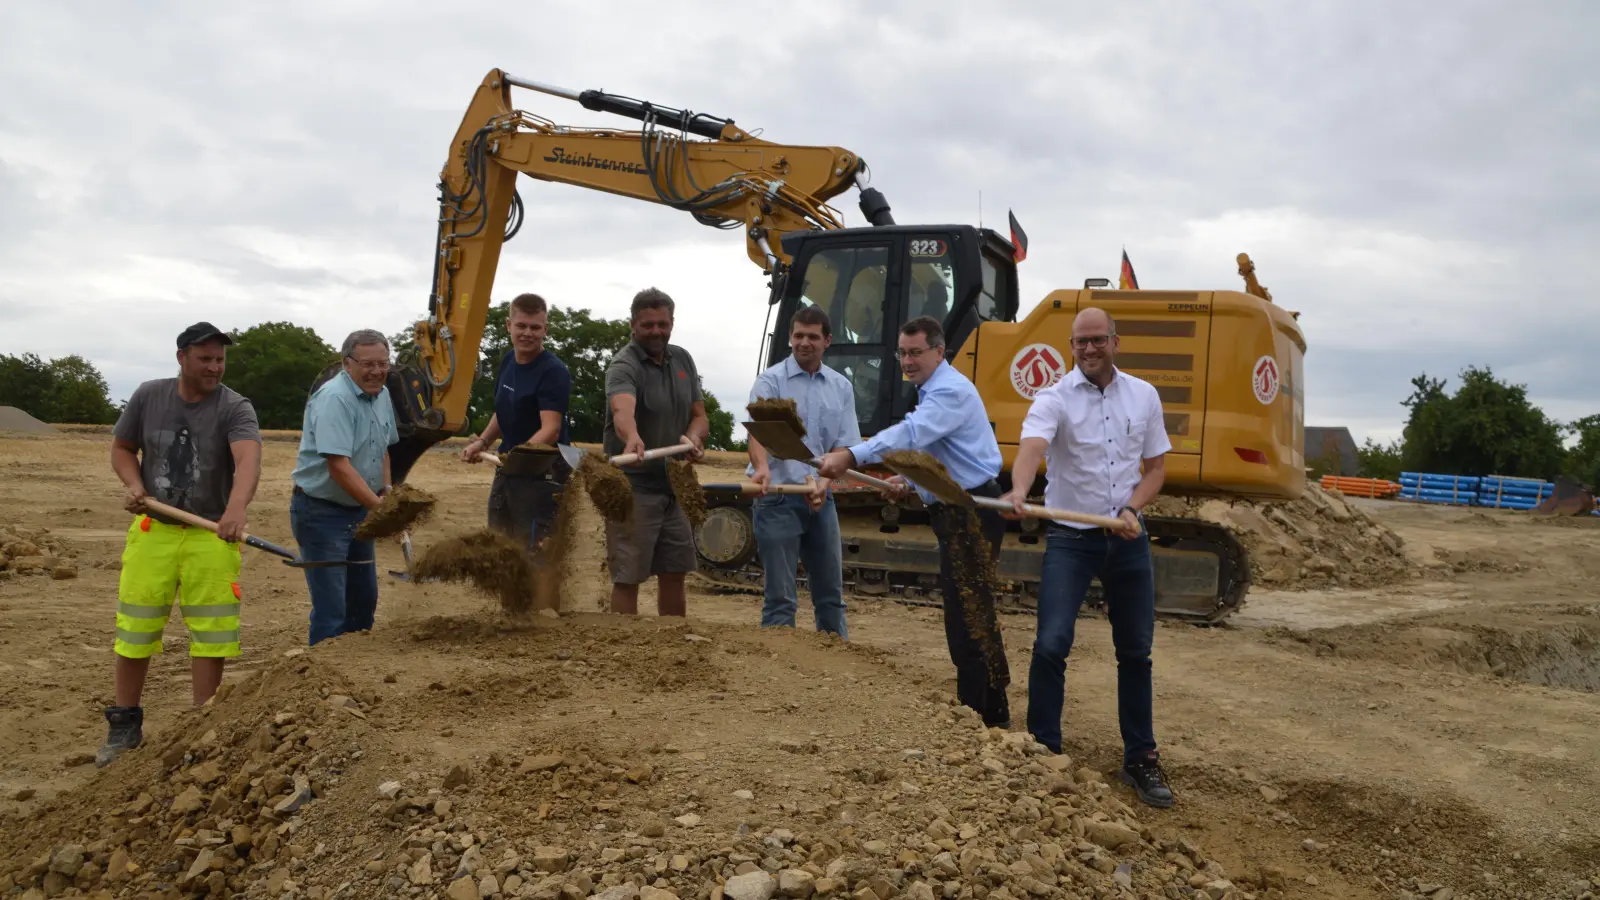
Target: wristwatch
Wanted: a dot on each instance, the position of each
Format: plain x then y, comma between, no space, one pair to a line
1129,509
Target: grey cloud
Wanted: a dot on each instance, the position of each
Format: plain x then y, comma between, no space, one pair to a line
158,132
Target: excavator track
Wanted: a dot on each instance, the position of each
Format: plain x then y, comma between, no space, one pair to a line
1202,572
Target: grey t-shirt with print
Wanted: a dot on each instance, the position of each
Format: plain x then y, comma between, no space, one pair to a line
184,452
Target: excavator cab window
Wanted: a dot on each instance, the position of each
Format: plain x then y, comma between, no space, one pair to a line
849,284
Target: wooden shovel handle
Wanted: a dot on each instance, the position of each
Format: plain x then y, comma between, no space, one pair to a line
190,518
1046,512
625,459
746,487
488,457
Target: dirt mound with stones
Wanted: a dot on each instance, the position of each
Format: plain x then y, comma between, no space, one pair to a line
35,551
1317,541
299,781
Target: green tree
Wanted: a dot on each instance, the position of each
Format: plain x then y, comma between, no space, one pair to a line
1583,460
721,436
78,393
582,341
1488,427
274,364
1375,460
68,389
586,344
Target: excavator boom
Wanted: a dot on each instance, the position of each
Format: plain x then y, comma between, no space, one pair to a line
724,176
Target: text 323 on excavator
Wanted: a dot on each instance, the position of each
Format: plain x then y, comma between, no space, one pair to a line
1227,364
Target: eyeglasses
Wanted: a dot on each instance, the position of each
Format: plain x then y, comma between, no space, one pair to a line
1098,340
914,354
378,365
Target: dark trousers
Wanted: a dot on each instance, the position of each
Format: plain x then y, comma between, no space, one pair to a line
1072,558
343,598
971,627
524,497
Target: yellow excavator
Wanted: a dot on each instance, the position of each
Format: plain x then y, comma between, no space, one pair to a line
1227,364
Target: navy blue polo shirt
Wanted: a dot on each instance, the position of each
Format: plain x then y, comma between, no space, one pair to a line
523,390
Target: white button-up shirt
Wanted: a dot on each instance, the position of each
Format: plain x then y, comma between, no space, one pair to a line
1096,440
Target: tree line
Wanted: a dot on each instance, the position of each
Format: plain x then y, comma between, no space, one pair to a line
275,363
1487,426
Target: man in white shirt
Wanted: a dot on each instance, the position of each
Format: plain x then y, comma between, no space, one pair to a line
1094,428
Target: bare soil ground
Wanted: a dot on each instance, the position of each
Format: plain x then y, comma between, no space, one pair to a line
1437,736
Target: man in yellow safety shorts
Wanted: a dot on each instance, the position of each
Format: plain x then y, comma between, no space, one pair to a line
193,444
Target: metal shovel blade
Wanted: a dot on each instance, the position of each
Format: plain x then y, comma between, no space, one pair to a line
925,472
780,440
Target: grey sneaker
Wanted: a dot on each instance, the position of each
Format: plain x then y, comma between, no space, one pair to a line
125,731
1148,781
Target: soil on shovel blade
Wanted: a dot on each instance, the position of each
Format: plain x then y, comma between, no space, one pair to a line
769,409
686,488
404,507
608,488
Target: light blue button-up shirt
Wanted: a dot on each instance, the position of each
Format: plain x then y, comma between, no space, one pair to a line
826,404
949,424
343,420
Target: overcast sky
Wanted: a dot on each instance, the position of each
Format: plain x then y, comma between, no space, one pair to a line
1421,180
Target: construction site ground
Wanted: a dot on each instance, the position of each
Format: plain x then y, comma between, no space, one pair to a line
1435,736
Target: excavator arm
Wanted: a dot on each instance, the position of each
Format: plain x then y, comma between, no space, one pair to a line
707,166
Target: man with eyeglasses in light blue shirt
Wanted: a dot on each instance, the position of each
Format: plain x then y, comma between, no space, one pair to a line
342,473
950,424
793,528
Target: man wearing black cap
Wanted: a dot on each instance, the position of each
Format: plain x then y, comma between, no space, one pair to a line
192,443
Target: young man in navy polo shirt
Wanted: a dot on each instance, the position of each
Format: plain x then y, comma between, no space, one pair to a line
530,407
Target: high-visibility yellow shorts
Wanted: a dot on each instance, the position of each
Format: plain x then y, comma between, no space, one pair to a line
161,560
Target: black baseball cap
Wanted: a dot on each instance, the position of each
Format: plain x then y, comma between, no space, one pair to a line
200,332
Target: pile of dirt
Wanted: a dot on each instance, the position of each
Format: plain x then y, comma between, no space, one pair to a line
13,419
490,561
290,784
402,508
1316,541
35,551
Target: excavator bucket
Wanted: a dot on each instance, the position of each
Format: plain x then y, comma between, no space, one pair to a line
1568,499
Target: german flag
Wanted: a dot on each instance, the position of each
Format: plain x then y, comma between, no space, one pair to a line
1128,281
1019,239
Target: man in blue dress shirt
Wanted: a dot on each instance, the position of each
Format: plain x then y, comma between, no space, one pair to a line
950,424
341,473
792,528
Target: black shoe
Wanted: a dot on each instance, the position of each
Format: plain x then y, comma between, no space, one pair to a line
125,731
1147,779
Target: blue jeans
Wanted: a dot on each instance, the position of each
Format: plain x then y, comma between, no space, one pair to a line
343,598
1071,559
787,532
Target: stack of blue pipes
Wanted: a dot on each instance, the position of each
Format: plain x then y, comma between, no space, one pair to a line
1501,492
1459,490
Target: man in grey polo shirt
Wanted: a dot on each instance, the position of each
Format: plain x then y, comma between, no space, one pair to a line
653,400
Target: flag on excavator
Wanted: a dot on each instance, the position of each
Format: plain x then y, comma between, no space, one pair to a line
1019,239
1128,282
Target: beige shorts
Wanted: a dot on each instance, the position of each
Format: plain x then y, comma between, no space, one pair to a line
656,541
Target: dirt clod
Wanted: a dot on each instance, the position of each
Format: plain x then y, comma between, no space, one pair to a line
403,508
608,488
686,488
488,559
772,409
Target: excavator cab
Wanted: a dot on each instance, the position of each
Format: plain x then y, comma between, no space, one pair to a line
872,280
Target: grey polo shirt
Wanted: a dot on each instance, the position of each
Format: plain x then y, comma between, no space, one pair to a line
665,394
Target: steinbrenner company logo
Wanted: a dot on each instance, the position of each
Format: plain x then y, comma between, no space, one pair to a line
1036,367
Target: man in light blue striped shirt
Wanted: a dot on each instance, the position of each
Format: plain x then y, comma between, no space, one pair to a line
793,528
950,424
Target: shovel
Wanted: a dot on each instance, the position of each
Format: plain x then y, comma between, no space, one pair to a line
781,440
927,473
289,559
